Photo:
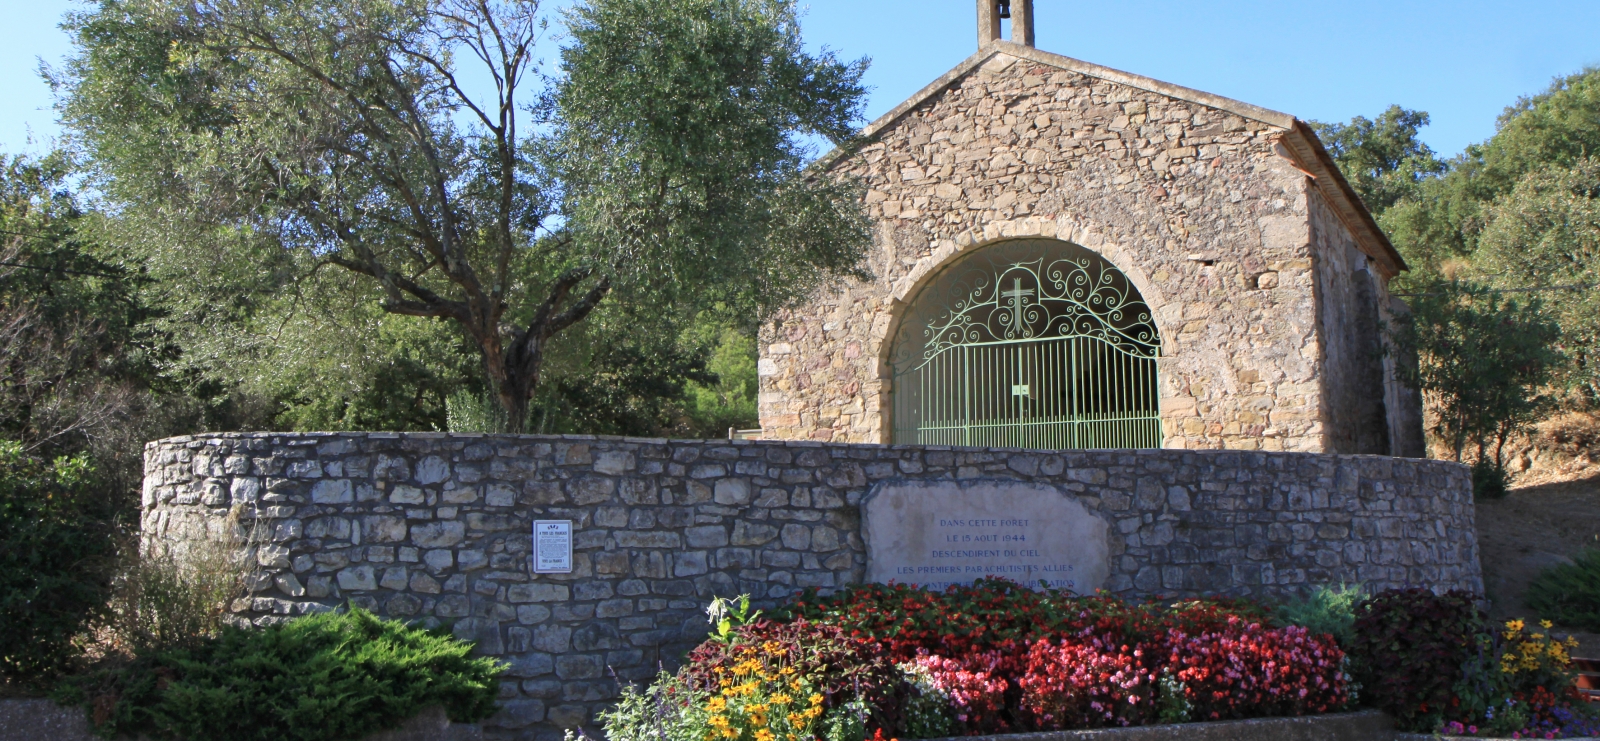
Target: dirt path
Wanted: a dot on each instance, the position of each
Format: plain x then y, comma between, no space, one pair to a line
1531,529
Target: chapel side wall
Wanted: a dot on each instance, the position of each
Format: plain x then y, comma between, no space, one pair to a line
1356,384
436,527
1199,207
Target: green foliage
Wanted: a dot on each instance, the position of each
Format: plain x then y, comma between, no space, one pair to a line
659,712
1408,647
1545,234
1484,359
729,615
1326,609
1569,594
1383,159
681,125
927,711
318,678
55,546
469,412
1441,226
162,600
1489,478
729,401
298,170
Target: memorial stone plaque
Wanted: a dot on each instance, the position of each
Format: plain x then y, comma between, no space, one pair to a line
938,533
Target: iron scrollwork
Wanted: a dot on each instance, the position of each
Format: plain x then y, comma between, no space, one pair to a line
1046,298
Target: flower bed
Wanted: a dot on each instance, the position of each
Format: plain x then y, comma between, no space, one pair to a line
892,661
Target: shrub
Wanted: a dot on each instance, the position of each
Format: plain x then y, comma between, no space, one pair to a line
316,678
1569,594
1408,646
55,543
161,599
1329,610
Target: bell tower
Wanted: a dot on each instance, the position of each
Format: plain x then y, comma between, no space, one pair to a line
991,12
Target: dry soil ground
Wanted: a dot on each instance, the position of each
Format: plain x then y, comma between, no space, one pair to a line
1532,528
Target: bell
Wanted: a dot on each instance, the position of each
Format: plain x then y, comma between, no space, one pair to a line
1005,8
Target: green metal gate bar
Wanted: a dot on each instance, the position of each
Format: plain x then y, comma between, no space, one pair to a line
1059,394
1057,352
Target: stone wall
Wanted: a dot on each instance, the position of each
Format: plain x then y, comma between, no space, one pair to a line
1349,294
436,528
1205,210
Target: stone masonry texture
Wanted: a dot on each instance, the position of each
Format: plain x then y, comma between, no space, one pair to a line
1264,304
436,528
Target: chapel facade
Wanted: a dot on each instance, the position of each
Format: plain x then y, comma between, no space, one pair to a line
1070,256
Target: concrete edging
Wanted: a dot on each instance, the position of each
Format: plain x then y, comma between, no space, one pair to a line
1365,725
33,719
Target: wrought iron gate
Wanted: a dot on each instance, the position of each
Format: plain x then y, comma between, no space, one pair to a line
1031,344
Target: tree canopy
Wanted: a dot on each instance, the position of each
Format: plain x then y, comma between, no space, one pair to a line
261,143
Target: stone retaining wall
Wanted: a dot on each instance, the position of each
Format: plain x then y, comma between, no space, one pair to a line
436,527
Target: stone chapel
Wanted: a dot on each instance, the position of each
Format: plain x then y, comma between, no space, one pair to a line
1070,256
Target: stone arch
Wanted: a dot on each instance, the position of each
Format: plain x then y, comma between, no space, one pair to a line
909,294
1167,314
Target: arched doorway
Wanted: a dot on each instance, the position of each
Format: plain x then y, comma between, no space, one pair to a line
1029,343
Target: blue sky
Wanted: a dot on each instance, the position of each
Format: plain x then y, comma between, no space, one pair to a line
1463,62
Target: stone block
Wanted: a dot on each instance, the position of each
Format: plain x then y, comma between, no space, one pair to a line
614,463
690,563
521,593
432,470
332,491
438,534
746,533
633,539
403,494
383,529
733,492
591,490
796,537
571,667
358,578
706,536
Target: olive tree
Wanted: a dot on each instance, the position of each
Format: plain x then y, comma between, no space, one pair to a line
419,145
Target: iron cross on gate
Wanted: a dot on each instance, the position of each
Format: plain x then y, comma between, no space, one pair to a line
1017,294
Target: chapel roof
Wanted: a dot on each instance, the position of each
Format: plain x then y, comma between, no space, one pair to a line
1299,143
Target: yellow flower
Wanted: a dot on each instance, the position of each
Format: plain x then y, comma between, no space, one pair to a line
1546,624
1515,626
758,719
795,719
786,671
816,699
763,735
730,732
781,699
